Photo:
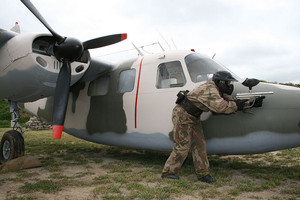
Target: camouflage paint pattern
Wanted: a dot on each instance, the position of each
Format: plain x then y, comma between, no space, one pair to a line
272,127
109,109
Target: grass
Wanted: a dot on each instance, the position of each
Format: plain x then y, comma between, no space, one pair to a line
76,169
46,186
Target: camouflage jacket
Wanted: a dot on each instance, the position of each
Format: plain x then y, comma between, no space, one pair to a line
207,97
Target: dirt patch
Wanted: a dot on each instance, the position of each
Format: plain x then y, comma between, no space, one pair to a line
83,175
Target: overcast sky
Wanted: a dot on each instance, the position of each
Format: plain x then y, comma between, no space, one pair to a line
253,38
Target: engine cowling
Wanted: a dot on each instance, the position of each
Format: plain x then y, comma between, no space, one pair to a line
29,69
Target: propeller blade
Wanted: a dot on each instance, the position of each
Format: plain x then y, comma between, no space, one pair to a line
104,41
59,39
61,99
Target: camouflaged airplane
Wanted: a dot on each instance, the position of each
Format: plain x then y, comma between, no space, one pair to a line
130,104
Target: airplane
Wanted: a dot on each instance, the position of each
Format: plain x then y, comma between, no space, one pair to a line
129,104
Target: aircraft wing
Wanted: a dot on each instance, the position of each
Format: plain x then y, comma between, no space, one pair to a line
5,36
96,69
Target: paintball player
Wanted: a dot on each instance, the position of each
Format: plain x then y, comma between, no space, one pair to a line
212,96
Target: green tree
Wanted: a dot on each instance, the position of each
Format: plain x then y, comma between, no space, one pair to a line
5,115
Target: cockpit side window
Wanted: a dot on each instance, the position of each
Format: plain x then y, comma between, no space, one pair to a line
169,75
126,81
201,68
99,86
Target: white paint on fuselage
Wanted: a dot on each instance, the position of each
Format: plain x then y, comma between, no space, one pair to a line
33,107
205,116
285,87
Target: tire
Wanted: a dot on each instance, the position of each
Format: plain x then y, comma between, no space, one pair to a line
12,146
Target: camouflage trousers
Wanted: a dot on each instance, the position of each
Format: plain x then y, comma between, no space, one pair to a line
188,135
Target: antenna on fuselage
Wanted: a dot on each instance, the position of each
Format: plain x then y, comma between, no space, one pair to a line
213,56
142,47
174,44
139,51
160,46
164,40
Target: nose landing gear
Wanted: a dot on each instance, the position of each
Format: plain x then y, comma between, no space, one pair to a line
12,143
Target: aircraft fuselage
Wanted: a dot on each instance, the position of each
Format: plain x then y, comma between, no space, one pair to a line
131,106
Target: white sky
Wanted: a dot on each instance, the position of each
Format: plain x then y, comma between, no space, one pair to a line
253,38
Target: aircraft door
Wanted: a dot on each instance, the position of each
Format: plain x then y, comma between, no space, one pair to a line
160,82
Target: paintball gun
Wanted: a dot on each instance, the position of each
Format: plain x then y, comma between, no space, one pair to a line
250,95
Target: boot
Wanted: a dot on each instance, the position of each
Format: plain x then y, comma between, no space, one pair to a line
169,176
207,179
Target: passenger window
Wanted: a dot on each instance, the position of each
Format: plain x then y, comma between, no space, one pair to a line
170,75
126,81
99,86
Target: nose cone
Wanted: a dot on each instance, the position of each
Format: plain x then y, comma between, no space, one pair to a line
70,49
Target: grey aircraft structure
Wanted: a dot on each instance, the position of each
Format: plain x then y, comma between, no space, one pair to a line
130,104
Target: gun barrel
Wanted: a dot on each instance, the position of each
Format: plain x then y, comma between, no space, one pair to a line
252,94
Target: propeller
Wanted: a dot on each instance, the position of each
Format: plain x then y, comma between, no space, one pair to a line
67,50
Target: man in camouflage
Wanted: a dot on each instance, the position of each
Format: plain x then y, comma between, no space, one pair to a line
188,134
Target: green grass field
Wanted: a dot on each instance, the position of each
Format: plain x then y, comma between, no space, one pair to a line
76,169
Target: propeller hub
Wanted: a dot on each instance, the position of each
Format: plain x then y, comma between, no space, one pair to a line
69,49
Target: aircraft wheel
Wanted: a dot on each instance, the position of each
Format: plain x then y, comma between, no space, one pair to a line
12,146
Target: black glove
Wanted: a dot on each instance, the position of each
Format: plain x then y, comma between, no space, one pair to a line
257,102
240,103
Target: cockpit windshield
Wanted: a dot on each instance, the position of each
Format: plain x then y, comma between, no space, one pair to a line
201,68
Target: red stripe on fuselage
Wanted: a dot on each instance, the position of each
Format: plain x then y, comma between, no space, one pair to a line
137,93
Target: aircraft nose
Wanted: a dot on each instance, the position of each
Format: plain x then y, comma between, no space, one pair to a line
284,97
280,110
279,117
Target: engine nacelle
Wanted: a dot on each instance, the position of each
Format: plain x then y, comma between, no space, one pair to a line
29,69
